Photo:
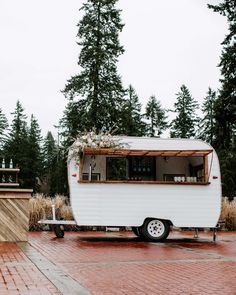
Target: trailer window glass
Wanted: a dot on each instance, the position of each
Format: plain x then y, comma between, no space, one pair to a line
116,168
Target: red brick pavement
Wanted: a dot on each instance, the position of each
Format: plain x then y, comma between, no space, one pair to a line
103,247
19,276
119,263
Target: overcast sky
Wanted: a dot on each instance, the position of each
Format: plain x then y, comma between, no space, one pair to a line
167,44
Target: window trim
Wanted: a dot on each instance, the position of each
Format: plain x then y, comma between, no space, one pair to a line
113,153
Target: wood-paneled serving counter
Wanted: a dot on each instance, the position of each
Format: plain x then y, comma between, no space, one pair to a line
14,214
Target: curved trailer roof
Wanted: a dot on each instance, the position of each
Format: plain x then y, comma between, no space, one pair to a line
146,146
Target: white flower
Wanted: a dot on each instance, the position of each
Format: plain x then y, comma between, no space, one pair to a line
78,144
93,140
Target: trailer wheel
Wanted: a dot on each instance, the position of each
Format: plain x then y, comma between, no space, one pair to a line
59,231
155,230
137,231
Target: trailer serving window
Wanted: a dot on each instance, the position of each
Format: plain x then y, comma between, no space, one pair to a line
147,166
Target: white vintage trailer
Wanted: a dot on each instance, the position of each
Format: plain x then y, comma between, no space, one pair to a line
149,186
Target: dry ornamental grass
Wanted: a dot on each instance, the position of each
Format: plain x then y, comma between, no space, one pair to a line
41,208
228,214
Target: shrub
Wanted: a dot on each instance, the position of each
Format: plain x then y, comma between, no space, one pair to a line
40,207
228,214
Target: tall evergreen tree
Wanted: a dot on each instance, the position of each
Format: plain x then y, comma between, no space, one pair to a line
228,172
54,180
98,85
226,102
131,119
3,127
50,154
16,146
156,116
34,154
74,119
61,172
225,107
207,123
184,125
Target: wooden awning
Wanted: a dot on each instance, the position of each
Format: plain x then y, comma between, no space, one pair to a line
128,152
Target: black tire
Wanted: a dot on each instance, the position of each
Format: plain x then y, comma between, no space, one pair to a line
59,231
137,231
155,230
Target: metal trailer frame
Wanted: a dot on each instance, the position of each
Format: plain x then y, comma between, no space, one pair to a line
57,224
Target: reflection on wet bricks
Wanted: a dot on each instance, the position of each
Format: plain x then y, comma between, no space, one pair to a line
119,263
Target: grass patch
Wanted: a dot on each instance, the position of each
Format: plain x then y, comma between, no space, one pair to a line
228,214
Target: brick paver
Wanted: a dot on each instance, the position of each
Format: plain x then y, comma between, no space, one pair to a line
119,263
18,275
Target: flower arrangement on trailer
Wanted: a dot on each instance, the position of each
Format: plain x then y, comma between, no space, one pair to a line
103,139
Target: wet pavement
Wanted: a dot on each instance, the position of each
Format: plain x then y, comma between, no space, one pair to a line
105,263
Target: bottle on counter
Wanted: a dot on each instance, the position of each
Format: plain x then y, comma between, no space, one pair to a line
11,164
3,163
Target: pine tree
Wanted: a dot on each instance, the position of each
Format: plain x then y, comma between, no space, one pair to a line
131,118
73,119
184,125
16,146
3,127
50,154
61,172
156,116
98,85
54,167
228,171
207,123
34,154
225,106
226,102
